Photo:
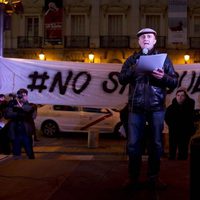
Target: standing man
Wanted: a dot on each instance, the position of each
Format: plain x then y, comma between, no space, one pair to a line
4,139
20,127
179,117
147,92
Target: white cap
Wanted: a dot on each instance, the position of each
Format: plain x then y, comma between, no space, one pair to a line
145,31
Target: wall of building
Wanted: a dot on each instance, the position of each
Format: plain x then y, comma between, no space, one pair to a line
97,11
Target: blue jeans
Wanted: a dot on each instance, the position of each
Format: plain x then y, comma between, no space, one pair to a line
22,139
137,123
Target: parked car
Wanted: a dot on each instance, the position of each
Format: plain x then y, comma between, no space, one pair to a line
52,119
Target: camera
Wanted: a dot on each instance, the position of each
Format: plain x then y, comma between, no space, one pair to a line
19,96
14,96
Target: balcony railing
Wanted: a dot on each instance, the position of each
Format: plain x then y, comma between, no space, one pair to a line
83,42
161,42
76,42
194,42
29,42
114,41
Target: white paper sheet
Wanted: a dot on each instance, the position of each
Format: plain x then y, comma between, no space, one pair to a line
148,63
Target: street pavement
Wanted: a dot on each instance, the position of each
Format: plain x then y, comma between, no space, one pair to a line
66,169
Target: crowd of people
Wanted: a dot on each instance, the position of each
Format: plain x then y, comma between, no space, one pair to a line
17,127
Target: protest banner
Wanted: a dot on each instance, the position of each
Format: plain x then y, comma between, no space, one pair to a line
84,84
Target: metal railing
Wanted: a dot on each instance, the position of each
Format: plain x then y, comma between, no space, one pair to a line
114,41
194,42
105,42
76,41
29,42
161,42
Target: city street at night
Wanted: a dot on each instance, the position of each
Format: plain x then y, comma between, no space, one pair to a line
89,88
65,168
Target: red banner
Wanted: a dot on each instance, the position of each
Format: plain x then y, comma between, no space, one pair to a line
53,22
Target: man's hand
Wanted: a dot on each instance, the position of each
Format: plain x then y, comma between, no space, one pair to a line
158,73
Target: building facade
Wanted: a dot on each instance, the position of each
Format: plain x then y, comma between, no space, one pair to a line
69,30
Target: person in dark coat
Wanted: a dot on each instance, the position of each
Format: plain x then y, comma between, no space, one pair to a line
20,127
4,139
33,121
146,102
179,117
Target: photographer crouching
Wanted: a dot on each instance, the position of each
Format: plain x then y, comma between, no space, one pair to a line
20,127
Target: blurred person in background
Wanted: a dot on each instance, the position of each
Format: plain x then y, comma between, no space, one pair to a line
4,139
124,120
179,117
35,138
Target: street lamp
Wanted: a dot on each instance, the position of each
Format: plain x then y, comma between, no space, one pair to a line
42,56
186,58
91,57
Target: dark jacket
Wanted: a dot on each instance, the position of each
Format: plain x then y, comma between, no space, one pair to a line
17,115
180,118
146,93
3,106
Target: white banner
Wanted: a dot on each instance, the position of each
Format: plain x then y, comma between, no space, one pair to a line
73,83
66,83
